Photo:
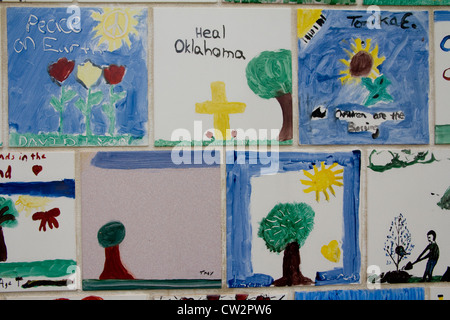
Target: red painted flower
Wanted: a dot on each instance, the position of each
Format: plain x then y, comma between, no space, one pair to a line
114,74
209,134
92,298
47,217
61,69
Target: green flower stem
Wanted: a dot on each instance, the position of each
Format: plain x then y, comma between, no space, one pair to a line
85,106
88,114
58,104
110,108
61,111
112,114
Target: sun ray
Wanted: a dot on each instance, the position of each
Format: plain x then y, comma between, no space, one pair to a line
337,183
309,175
310,189
332,190
333,165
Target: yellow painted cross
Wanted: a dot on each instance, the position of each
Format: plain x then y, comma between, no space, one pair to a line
221,109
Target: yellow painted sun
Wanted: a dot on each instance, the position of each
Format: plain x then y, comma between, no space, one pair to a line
323,179
115,26
363,61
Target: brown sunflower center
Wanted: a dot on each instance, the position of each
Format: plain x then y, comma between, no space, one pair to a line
361,64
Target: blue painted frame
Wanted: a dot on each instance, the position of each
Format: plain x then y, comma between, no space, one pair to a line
241,167
380,294
175,159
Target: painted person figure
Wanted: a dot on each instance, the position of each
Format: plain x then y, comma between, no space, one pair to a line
432,254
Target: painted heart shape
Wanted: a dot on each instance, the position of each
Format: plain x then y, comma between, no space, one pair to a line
36,169
331,251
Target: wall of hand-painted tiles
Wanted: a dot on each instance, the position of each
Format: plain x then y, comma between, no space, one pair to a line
224,150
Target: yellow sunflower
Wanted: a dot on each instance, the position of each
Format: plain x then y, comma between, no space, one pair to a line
363,61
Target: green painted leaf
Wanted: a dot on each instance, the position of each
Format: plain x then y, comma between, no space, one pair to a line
95,98
117,96
286,223
8,213
269,75
56,103
68,95
80,104
111,234
108,109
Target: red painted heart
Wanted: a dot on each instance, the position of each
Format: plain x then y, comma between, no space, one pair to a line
36,169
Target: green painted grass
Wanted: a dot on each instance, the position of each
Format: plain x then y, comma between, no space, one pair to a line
419,279
442,134
46,268
204,143
70,140
94,284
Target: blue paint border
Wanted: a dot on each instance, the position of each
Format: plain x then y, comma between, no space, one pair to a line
63,188
441,16
379,294
175,159
241,167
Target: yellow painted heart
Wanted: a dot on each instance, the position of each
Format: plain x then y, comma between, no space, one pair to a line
331,251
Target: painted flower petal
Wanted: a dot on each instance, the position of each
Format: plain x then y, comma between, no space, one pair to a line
61,69
114,74
88,74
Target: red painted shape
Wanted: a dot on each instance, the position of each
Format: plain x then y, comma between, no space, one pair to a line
114,268
114,74
92,298
36,169
61,69
47,217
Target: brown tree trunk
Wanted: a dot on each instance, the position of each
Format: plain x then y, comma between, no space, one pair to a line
113,268
291,268
285,102
3,251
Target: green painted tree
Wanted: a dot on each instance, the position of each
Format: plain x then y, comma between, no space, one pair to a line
269,75
285,228
8,214
109,237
